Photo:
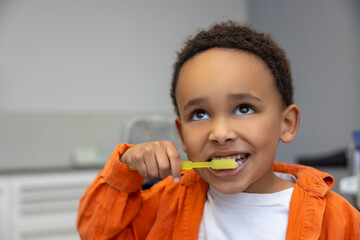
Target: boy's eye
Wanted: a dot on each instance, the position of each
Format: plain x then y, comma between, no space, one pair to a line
244,110
199,115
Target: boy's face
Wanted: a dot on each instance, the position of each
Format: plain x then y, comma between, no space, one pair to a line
230,107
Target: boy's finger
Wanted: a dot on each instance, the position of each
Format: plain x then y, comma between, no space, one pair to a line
163,164
138,162
151,166
175,163
142,170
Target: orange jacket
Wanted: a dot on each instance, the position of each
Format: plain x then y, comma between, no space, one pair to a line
114,207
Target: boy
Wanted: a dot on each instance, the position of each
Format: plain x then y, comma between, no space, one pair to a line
232,92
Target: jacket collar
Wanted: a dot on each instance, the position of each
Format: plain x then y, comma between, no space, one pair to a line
308,178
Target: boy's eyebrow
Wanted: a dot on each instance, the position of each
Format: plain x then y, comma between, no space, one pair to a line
242,96
236,96
194,102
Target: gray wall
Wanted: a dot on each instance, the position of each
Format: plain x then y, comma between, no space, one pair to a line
73,72
97,55
322,40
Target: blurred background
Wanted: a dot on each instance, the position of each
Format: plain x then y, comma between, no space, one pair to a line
77,76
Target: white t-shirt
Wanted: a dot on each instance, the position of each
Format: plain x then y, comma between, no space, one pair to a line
246,215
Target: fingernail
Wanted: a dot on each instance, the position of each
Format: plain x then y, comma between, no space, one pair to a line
176,180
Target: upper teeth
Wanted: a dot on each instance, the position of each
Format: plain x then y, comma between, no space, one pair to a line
236,157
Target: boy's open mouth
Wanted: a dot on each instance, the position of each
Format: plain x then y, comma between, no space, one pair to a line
240,159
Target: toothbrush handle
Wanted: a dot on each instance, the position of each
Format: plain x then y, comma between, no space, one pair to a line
131,167
185,165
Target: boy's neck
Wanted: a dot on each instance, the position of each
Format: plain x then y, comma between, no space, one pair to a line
270,183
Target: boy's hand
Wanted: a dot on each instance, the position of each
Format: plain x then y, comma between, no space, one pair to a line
154,159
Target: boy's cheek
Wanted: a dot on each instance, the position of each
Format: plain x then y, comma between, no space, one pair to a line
192,146
187,142
261,138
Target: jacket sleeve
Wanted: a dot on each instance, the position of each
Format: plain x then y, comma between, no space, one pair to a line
113,206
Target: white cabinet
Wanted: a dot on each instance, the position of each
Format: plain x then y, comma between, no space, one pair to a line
41,206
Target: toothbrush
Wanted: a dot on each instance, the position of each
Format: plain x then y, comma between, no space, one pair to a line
214,164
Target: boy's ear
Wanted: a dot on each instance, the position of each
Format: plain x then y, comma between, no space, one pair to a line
290,123
179,129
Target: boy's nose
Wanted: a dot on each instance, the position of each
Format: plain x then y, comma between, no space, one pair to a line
222,132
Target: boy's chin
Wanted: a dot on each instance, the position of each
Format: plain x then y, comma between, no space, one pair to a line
227,188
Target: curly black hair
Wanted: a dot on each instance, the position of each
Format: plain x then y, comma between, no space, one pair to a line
235,36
